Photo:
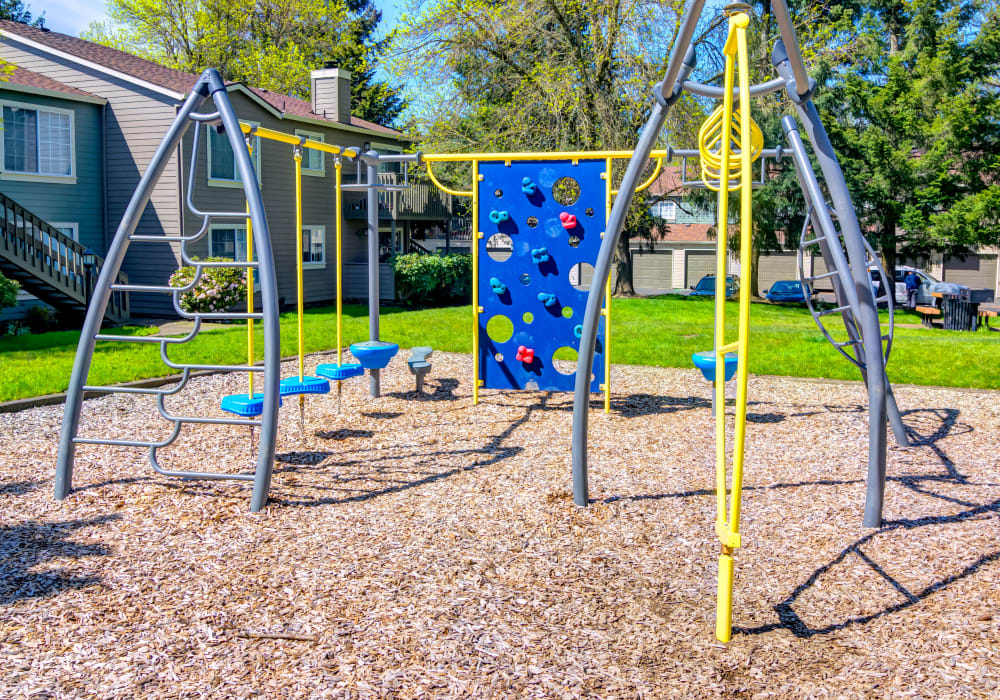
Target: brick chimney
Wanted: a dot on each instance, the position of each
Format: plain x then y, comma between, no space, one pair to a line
331,93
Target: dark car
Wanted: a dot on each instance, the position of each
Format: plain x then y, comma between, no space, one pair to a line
706,287
786,290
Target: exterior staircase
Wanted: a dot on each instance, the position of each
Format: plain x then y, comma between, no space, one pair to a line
49,264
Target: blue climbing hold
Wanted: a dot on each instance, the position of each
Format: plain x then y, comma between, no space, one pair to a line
539,255
244,405
705,361
374,354
497,286
528,187
578,330
307,385
339,373
499,217
547,299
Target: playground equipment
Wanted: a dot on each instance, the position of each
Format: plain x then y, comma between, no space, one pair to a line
728,145
258,407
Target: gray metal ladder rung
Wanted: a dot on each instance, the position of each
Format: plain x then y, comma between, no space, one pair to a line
130,390
884,297
837,310
129,338
147,288
848,342
117,443
813,241
825,275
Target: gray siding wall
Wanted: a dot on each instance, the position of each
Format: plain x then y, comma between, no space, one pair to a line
277,177
82,202
136,121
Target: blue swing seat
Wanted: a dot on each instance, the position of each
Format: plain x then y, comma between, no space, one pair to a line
340,372
307,385
705,361
244,405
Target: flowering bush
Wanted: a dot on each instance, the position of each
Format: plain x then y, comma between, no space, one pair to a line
218,289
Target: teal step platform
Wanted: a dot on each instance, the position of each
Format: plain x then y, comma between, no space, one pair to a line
374,354
339,373
705,361
293,386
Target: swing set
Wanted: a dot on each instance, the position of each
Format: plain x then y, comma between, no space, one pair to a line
516,200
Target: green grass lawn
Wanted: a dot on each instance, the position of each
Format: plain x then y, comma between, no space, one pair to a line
661,331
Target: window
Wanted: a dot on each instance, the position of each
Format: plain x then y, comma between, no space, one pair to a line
37,142
664,210
313,161
228,241
387,149
222,170
313,247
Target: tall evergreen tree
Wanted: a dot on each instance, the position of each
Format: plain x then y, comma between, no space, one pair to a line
18,11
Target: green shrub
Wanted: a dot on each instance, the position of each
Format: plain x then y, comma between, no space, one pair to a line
8,292
430,280
218,289
41,319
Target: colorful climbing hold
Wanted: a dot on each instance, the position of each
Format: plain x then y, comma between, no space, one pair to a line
528,187
568,220
524,354
539,255
498,217
547,299
497,286
578,330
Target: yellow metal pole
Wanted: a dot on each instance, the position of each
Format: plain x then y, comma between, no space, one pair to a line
250,344
298,263
337,168
475,281
607,294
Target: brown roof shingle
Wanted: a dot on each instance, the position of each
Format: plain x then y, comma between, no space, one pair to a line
172,79
27,78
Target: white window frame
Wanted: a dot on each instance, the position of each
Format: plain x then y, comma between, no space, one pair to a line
73,226
315,136
666,210
217,227
313,228
41,177
237,183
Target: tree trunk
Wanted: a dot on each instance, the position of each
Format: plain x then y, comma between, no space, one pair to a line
754,269
623,266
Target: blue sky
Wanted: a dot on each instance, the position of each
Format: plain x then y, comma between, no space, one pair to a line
73,16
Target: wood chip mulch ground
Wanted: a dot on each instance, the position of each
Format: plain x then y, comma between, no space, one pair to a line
420,546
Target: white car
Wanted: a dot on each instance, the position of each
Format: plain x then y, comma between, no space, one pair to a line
927,285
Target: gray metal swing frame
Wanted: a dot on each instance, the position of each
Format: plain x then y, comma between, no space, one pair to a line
843,247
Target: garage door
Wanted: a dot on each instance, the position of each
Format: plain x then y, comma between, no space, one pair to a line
652,269
697,264
775,266
975,272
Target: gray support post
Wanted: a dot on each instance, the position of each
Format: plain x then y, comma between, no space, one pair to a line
269,301
867,315
374,385
682,62
112,265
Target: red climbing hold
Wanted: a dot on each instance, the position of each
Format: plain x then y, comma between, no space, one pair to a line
526,355
568,220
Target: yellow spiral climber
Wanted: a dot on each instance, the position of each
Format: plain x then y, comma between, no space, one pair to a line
710,138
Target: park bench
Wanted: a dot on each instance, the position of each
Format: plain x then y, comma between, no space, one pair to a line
987,311
927,314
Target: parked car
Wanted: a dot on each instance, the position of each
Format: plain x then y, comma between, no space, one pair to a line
928,285
786,291
706,287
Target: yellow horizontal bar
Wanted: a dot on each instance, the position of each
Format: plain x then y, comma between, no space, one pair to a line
726,536
730,347
547,155
272,135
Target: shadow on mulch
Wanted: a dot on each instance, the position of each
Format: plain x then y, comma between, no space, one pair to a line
393,479
443,391
19,488
31,544
383,415
925,427
344,434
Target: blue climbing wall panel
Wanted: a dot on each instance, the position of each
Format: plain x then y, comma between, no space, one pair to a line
519,216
